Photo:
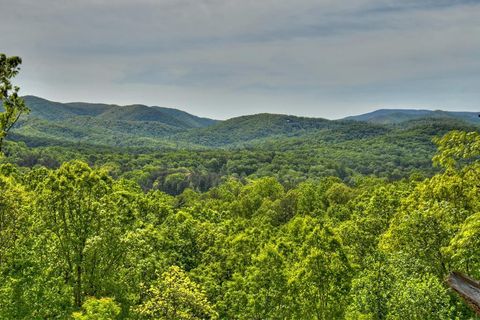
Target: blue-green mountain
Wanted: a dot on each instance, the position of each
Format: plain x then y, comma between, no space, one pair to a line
391,116
140,126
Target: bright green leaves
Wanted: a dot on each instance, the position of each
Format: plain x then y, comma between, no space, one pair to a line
434,232
262,292
13,199
255,193
388,289
174,296
98,309
301,273
422,234
423,298
464,248
319,271
371,291
457,148
73,221
247,249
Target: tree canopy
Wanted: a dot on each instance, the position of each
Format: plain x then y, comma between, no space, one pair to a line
76,241
13,104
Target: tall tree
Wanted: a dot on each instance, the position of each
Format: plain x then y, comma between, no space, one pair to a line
76,222
13,105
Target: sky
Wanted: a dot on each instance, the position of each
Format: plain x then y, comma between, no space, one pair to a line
226,58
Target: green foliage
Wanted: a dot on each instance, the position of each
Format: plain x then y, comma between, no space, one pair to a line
175,297
239,247
390,116
464,247
457,146
98,309
12,105
424,298
146,153
371,290
319,272
74,223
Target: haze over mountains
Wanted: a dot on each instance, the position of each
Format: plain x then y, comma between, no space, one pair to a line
139,125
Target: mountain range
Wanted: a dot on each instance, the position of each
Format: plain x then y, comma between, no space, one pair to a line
54,111
391,116
143,126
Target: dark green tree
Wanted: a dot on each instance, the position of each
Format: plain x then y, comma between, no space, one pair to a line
13,105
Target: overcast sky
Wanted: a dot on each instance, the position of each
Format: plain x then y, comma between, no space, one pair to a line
224,58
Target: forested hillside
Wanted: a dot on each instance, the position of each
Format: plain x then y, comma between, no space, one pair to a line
78,242
390,116
252,146
49,110
111,212
153,128
101,124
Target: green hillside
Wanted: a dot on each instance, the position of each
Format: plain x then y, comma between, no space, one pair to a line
256,146
101,124
139,126
49,110
253,127
140,113
255,217
391,116
92,131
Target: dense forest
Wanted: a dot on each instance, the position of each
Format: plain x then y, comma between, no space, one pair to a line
257,217
76,242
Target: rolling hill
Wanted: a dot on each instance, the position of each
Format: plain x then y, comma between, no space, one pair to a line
257,128
49,110
102,124
247,128
53,123
392,116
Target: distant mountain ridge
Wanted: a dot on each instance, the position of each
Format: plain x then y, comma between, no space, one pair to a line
50,110
251,127
393,116
140,126
53,123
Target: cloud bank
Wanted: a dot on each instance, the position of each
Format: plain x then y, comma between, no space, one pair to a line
223,58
